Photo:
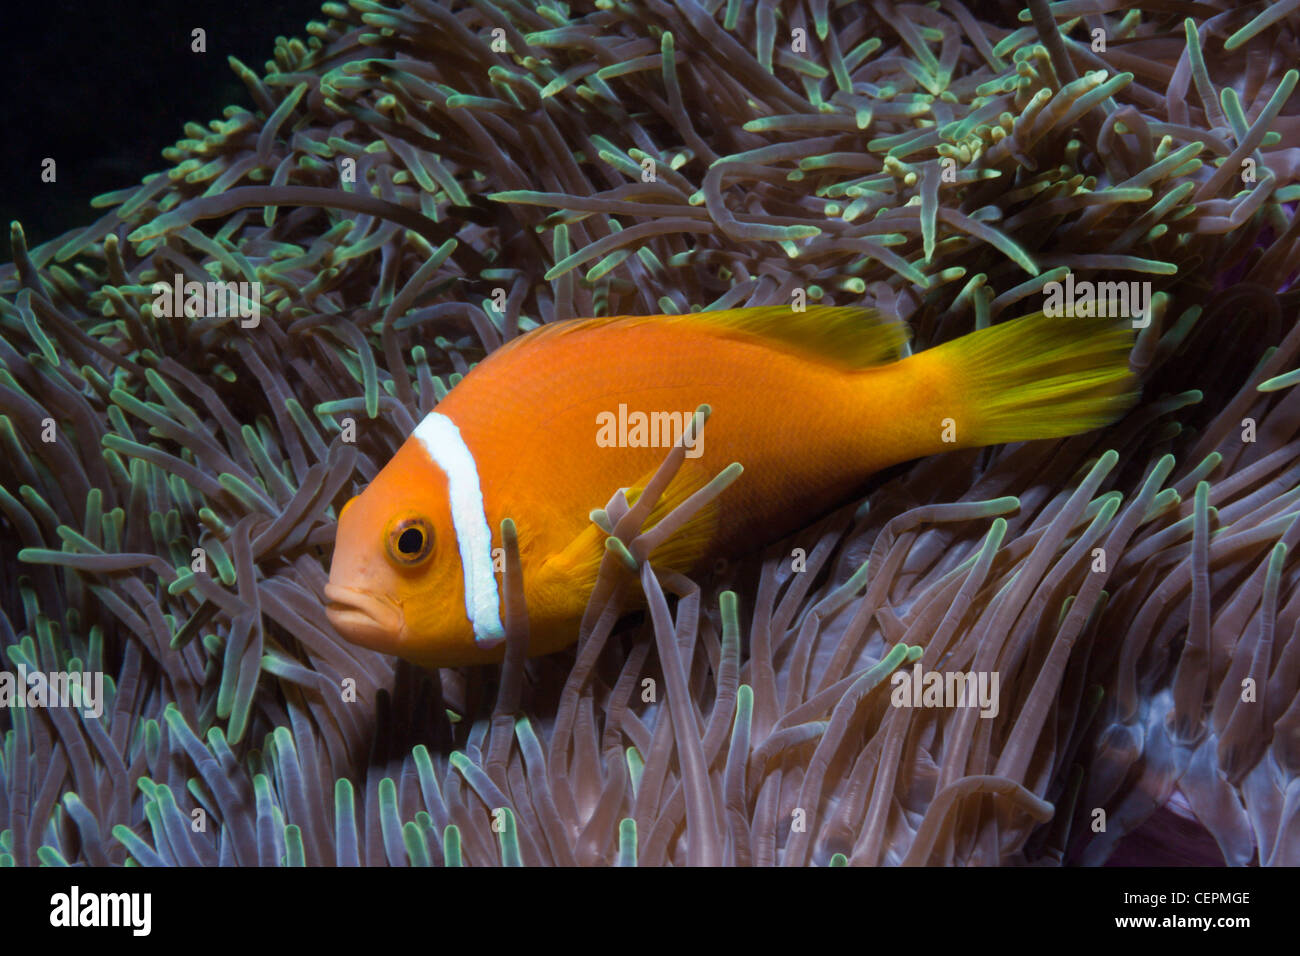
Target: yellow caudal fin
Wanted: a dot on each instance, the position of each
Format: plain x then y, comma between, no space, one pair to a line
1038,377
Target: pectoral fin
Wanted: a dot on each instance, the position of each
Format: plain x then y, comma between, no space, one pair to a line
579,562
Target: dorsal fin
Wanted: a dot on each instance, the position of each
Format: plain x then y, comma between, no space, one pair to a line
850,336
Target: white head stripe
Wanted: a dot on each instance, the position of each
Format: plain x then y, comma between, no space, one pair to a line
442,440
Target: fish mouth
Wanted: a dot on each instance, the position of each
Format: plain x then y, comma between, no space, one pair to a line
363,617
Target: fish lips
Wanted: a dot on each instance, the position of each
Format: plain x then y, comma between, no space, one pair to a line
364,618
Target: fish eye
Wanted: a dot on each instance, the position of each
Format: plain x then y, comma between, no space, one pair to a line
409,540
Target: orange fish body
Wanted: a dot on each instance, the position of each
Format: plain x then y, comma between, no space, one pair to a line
551,425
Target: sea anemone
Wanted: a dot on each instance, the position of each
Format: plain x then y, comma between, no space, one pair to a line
423,182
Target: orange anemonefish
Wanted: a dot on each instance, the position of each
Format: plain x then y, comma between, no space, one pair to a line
810,403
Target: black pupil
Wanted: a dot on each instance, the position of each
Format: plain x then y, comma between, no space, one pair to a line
411,541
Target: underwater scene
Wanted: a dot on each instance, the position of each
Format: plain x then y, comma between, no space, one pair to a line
670,432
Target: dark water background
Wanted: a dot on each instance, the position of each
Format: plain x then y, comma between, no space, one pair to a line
104,87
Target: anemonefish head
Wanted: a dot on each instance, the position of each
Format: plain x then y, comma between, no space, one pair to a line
412,569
